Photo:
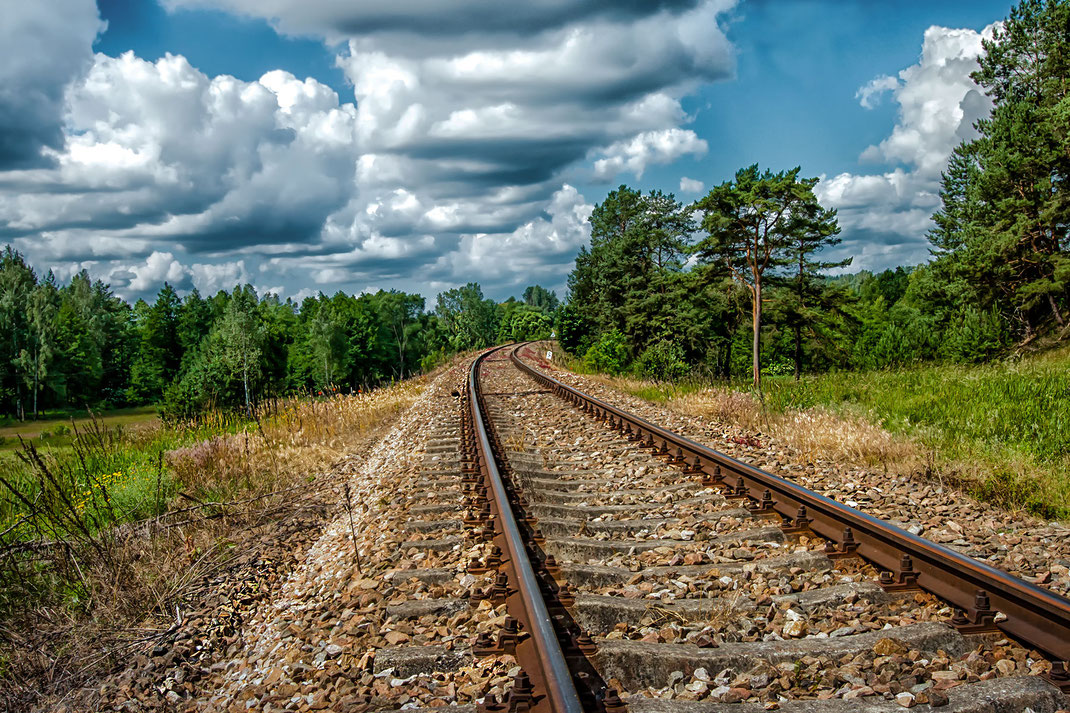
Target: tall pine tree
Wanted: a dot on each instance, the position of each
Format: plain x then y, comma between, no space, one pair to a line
1002,228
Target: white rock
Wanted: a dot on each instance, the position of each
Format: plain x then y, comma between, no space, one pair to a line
905,699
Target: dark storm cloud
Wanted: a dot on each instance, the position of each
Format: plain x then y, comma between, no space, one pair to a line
32,82
435,18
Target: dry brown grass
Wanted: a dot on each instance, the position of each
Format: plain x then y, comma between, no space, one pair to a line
134,579
295,440
951,439
814,434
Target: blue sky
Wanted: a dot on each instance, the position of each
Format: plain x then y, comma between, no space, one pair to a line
401,146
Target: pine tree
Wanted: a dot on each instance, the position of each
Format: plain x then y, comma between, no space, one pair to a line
812,229
37,355
752,223
17,281
160,349
1006,195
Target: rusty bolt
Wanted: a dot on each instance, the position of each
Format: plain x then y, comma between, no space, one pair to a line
612,703
586,644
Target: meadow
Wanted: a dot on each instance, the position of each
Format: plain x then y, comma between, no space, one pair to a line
1002,429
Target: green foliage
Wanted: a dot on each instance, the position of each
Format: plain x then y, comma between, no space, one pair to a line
1001,232
759,223
469,320
160,349
433,360
609,354
633,280
521,322
973,336
77,346
573,332
542,299
663,361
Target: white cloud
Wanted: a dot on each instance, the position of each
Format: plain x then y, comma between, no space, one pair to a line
158,151
885,216
649,147
691,185
210,278
158,268
870,94
539,250
938,102
468,125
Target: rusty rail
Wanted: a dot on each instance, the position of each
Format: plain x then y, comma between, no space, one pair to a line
539,653
1035,616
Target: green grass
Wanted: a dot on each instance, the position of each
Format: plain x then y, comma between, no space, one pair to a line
9,434
111,474
1003,429
1022,407
1005,426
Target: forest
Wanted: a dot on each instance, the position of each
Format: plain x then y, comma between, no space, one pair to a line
735,285
79,346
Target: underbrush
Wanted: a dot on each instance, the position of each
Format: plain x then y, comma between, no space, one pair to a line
100,540
1002,430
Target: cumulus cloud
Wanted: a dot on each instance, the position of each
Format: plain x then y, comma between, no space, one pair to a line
869,95
465,128
158,268
691,185
885,216
540,250
161,147
210,278
43,46
649,147
159,154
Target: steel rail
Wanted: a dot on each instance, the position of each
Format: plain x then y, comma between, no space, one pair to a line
1035,616
553,669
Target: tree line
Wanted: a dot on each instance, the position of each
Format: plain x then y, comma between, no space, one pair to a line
79,345
735,283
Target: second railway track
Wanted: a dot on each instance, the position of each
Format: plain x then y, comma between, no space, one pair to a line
620,573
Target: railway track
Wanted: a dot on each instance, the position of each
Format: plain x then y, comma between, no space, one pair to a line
621,567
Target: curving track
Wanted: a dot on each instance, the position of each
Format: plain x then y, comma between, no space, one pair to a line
632,569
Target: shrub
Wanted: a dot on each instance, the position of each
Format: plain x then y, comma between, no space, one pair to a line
573,332
525,324
663,361
432,360
779,368
609,354
973,336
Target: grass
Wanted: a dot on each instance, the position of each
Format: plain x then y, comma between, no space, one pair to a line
55,430
1002,430
103,534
